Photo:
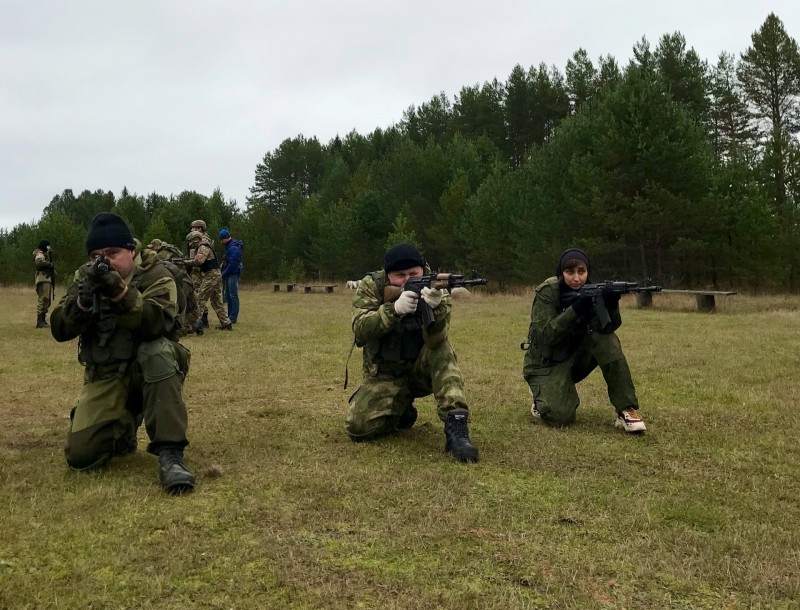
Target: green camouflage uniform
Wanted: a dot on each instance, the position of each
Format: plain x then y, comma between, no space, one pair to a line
402,362
197,279
563,349
165,252
134,367
208,279
43,281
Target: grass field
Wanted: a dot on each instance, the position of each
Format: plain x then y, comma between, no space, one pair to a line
702,512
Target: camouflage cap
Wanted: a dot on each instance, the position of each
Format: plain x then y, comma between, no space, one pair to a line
199,224
155,244
193,236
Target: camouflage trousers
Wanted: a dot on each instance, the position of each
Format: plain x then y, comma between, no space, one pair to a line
43,293
116,399
553,387
211,288
192,311
197,280
376,406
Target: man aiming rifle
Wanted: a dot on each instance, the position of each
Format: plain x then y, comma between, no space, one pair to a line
406,357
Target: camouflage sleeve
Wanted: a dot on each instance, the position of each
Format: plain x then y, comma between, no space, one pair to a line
68,320
41,262
436,333
549,327
150,314
203,251
371,317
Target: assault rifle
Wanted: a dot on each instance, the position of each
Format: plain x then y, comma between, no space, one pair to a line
432,280
101,266
595,292
52,275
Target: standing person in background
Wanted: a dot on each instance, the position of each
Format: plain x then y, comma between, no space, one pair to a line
205,264
231,268
201,227
172,255
45,281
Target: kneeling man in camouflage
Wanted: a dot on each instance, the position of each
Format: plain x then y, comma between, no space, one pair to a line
405,357
124,307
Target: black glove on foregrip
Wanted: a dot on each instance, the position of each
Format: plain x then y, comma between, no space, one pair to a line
611,298
105,278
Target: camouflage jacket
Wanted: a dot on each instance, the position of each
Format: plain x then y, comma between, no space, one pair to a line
146,313
167,251
44,267
556,332
204,259
379,330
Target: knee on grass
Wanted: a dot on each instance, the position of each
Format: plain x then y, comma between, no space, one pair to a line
372,429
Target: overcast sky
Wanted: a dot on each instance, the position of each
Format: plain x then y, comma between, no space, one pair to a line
166,96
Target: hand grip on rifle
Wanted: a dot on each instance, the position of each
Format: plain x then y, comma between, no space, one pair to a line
582,305
432,296
611,297
406,303
104,280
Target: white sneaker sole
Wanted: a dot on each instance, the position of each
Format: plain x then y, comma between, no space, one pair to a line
633,428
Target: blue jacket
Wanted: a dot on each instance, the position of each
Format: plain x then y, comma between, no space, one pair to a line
233,258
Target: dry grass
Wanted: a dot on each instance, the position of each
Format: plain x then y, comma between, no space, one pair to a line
701,512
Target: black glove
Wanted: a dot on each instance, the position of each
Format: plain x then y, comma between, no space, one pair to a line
85,295
104,278
611,298
582,306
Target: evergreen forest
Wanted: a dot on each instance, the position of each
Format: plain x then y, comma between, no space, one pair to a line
671,168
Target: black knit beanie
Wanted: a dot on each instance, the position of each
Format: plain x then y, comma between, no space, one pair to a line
572,254
43,245
401,257
108,230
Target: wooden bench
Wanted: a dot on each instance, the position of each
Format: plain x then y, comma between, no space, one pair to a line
289,287
706,300
326,287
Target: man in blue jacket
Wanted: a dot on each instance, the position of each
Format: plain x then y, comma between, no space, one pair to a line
231,268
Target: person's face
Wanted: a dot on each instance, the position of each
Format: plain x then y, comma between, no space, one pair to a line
120,258
575,277
197,228
225,240
398,278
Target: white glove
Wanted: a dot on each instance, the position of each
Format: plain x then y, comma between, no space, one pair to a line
432,296
406,303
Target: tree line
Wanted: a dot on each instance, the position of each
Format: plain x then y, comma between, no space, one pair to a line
668,168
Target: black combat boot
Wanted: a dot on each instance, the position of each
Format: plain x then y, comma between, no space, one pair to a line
204,319
456,436
41,322
198,328
174,474
408,418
